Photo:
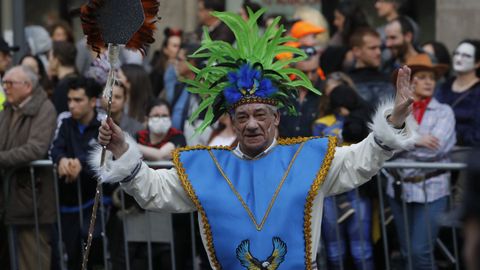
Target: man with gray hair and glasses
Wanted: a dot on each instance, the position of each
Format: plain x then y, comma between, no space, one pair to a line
27,206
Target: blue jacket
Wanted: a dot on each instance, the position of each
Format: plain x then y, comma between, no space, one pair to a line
70,142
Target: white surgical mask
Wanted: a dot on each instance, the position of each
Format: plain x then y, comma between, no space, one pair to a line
159,125
464,58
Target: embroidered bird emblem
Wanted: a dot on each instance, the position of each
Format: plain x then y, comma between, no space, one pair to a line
252,263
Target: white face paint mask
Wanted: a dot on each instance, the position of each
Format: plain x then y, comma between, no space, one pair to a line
464,58
159,125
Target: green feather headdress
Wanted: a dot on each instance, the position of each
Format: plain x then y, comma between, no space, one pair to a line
248,72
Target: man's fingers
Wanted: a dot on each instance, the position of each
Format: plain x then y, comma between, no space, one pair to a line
400,79
114,127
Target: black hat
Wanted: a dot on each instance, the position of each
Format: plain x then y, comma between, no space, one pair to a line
5,48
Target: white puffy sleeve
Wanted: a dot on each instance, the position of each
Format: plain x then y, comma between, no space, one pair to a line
355,164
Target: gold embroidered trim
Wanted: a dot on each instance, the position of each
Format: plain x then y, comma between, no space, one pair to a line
259,227
295,140
319,179
187,186
253,99
201,147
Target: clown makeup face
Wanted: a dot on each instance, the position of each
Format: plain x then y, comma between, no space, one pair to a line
464,58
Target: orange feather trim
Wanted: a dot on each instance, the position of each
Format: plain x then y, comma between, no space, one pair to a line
139,41
90,25
144,36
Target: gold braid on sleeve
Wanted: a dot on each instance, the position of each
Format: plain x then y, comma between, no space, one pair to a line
319,179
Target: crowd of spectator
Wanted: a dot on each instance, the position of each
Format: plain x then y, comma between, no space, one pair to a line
51,107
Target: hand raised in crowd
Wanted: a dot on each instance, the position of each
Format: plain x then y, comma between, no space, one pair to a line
429,141
111,135
403,98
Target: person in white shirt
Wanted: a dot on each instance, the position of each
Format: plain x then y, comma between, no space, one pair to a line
265,190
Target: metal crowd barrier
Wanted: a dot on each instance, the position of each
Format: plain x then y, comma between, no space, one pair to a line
144,234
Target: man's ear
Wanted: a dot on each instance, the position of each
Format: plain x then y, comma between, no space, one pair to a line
356,51
409,37
276,122
93,102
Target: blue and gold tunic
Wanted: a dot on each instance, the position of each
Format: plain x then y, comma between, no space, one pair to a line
256,214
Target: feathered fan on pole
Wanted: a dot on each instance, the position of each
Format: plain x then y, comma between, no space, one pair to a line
108,24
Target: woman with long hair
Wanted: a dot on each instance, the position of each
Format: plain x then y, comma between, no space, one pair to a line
139,90
163,74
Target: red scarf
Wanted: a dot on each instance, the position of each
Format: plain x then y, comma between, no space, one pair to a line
143,137
419,108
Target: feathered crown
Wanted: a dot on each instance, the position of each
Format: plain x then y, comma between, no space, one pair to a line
248,72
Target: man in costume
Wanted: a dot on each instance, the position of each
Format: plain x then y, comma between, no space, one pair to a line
259,203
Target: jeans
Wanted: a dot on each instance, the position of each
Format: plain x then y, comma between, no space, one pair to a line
357,229
419,215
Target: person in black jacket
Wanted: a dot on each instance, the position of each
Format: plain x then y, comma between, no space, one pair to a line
76,135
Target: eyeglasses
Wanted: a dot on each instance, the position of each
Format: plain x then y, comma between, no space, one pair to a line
308,50
9,84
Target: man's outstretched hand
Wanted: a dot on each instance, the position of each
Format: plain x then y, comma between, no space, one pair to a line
403,98
112,136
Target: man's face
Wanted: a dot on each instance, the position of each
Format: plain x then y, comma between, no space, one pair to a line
17,86
255,126
369,54
385,8
309,67
203,14
5,61
396,41
183,70
79,104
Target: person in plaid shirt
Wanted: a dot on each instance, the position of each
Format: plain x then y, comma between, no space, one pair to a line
424,191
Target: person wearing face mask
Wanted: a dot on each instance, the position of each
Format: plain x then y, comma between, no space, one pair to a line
157,143
160,138
462,92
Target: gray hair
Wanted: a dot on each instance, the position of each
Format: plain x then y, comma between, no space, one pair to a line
31,75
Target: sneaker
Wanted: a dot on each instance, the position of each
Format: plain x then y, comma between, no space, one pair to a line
345,210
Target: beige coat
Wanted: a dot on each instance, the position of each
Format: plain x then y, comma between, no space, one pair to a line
21,142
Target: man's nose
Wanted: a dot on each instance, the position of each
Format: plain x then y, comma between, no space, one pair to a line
252,124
